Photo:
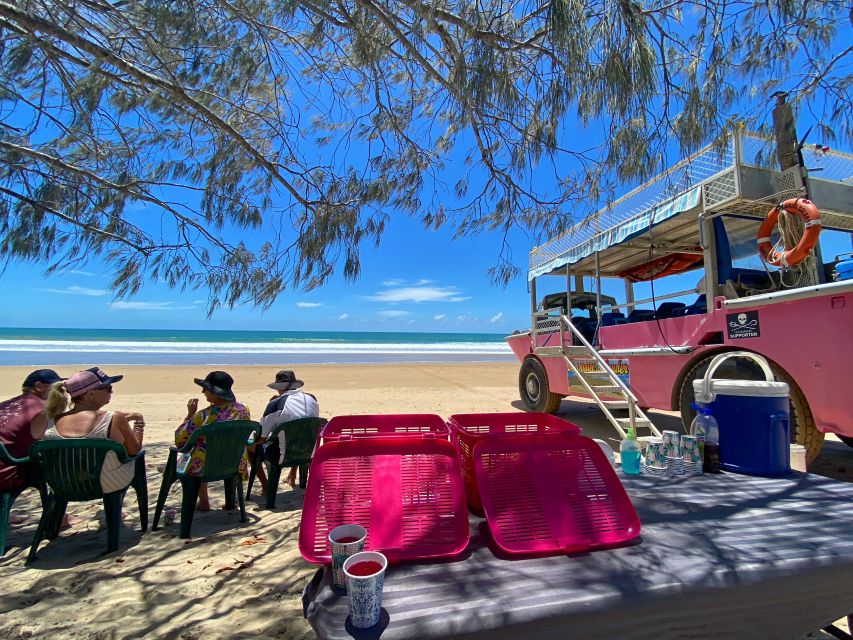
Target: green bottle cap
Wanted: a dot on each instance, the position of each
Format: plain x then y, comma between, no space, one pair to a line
631,435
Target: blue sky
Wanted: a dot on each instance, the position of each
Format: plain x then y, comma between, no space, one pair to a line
417,280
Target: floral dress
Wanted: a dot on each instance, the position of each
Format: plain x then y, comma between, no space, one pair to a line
194,463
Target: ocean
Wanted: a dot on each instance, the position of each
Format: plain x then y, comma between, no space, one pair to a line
20,346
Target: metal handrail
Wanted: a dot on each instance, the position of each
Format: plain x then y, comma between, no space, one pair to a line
596,356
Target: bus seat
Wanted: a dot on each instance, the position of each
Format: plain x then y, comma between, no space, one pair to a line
668,309
699,306
641,315
612,317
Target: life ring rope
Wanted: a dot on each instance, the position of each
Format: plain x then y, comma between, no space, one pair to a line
810,215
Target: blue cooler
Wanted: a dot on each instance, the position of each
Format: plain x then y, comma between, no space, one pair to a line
753,417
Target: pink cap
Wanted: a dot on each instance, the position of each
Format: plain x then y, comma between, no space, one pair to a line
87,380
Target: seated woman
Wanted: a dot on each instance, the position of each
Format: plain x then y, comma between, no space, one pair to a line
216,388
73,410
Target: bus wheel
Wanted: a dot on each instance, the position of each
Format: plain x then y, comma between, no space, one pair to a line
803,428
533,388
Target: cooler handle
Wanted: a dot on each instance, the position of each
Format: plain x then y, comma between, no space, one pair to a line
707,395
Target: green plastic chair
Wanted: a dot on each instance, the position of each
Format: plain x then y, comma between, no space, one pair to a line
8,497
300,437
71,470
224,443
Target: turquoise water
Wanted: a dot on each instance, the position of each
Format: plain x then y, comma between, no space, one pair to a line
23,346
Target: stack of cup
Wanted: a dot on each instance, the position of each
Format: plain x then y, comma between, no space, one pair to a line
365,576
345,540
654,463
672,453
692,457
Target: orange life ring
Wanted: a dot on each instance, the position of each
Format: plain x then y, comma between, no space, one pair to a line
811,218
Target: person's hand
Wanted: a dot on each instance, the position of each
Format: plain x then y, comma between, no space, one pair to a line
192,407
135,416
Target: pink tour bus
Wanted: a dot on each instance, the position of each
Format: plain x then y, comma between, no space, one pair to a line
697,228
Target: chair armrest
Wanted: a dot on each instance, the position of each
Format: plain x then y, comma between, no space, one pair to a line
8,458
123,456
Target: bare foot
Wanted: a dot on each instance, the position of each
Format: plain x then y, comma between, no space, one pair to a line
203,506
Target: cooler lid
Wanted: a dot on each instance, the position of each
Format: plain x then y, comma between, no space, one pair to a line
752,388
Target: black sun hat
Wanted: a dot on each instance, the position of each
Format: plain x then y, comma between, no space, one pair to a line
285,380
218,383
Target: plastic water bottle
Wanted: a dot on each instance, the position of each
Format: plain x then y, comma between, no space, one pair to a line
629,451
711,459
699,426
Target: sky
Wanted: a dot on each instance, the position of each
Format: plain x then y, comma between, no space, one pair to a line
417,280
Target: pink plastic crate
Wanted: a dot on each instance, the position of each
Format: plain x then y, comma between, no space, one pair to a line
467,429
551,495
401,424
407,493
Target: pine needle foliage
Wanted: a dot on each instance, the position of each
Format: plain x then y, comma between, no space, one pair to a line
150,133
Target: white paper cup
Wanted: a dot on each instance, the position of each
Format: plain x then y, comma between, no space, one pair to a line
365,592
654,454
343,550
671,448
798,458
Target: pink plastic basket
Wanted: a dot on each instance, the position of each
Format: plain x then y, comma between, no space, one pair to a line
407,493
551,495
368,426
467,429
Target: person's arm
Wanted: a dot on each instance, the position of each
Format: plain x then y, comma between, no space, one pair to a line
183,432
38,426
121,432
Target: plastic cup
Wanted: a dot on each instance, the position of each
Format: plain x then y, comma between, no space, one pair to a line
798,458
345,540
365,591
169,515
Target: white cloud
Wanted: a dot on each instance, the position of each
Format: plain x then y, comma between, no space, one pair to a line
439,316
497,317
392,313
79,291
81,273
419,293
169,305
309,305
343,316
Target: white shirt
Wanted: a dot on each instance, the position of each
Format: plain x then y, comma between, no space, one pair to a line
298,405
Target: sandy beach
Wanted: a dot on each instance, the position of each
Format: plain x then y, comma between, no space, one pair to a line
230,580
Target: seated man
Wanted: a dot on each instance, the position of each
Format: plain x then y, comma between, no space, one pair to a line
290,404
16,415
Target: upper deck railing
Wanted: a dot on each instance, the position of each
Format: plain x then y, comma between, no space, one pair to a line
679,186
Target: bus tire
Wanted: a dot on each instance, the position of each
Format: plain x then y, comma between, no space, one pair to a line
533,388
803,428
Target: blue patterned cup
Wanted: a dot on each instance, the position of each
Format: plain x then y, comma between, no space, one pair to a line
654,454
690,449
671,447
365,574
345,540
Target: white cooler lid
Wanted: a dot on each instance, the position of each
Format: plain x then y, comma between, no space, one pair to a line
754,388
